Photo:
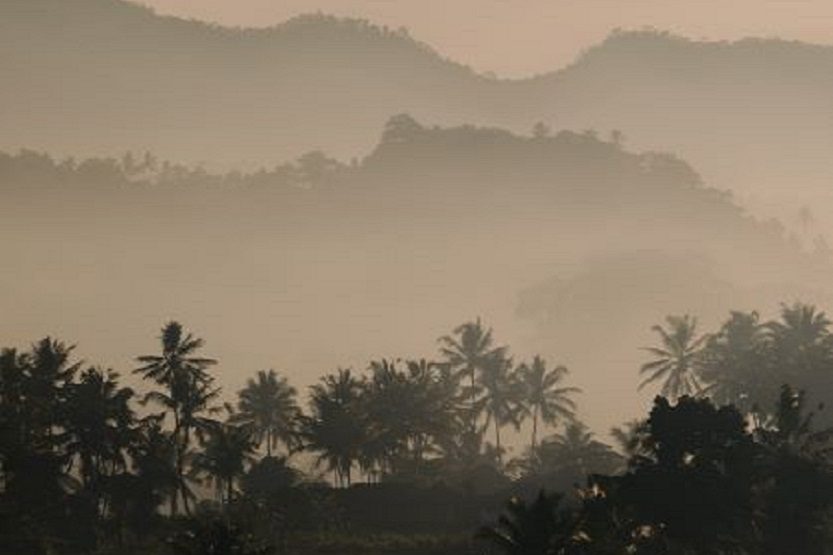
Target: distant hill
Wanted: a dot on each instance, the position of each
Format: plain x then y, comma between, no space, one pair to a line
569,244
93,77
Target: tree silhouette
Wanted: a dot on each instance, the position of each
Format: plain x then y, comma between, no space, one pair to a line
97,422
502,399
677,357
703,454
543,397
575,453
268,405
541,527
802,347
334,426
798,487
211,535
736,366
468,351
187,390
224,458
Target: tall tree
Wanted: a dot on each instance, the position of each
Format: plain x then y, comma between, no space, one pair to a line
502,398
543,398
468,350
187,390
268,406
334,427
575,453
98,426
736,366
676,358
801,349
227,452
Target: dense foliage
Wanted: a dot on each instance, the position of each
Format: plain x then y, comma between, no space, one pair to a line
731,460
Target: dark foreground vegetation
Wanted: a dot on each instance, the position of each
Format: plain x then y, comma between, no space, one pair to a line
413,460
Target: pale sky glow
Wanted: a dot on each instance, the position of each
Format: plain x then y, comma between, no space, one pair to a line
519,37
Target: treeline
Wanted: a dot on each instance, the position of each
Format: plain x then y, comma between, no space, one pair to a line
88,465
88,462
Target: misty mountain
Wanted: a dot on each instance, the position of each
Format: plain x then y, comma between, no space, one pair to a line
563,241
99,77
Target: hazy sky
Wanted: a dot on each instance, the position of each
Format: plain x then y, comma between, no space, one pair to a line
517,37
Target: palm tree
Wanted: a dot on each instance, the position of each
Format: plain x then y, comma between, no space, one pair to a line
97,422
226,454
49,370
187,390
153,453
467,351
268,405
177,357
630,437
802,345
502,398
735,364
407,413
577,453
335,426
543,398
677,357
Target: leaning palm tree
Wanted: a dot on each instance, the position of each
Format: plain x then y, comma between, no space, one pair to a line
543,398
268,406
677,357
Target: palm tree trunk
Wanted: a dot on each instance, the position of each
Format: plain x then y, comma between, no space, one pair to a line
472,401
497,442
534,426
229,490
181,470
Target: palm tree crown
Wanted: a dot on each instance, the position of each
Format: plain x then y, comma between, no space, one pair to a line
543,398
268,406
677,357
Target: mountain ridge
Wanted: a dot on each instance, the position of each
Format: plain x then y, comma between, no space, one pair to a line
116,77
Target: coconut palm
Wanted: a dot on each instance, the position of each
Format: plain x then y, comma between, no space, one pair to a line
186,390
677,357
630,437
467,350
227,452
576,452
502,398
543,398
801,342
334,429
97,421
153,453
735,364
268,406
49,370
177,357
